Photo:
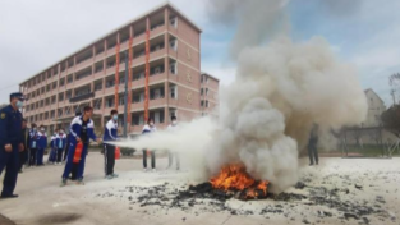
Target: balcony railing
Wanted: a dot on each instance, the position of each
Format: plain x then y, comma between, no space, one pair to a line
82,97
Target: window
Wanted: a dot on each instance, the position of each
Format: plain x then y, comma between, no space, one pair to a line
121,100
110,102
206,91
202,91
173,45
138,76
172,68
62,82
61,97
41,103
98,86
376,117
60,112
173,91
202,103
206,103
173,22
110,83
43,90
70,78
54,85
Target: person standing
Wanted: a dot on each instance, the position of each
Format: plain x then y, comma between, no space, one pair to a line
110,135
82,129
59,145
42,145
33,145
11,143
149,128
53,151
23,156
312,145
171,155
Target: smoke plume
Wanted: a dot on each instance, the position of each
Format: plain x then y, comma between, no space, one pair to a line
265,116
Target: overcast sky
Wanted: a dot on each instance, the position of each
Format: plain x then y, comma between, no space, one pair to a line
36,34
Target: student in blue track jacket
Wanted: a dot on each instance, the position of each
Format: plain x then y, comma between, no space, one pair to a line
110,135
82,129
149,128
33,145
59,145
42,145
11,143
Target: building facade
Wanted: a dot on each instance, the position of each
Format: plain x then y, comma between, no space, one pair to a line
376,106
209,94
162,49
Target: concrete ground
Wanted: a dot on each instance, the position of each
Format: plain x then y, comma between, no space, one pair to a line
100,201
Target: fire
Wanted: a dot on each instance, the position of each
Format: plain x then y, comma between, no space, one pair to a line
235,177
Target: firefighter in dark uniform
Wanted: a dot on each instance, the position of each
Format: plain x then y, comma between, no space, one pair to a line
11,143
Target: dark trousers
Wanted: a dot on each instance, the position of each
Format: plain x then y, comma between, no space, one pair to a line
32,159
153,159
22,158
70,161
109,158
313,151
171,156
10,162
39,156
59,154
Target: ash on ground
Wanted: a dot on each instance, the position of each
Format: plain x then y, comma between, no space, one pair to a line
305,200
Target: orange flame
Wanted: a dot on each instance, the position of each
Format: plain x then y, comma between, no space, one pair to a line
235,177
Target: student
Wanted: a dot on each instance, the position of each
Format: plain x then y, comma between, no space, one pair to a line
82,129
52,154
33,145
110,135
23,156
173,126
59,146
149,128
42,139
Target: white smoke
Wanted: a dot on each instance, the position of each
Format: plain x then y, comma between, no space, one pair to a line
265,116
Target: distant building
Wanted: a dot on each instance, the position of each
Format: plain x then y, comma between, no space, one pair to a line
376,106
163,43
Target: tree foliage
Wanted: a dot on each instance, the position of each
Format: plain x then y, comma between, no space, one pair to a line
391,119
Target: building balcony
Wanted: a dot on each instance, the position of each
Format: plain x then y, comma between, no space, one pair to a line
110,70
139,39
82,97
83,81
109,91
139,60
157,31
157,102
157,78
111,51
137,106
99,74
124,45
69,85
100,57
84,64
158,54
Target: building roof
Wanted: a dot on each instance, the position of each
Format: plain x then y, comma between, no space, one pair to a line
152,11
210,76
373,92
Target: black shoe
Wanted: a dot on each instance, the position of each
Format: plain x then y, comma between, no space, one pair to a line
9,196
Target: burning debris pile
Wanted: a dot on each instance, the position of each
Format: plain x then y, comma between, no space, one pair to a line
235,179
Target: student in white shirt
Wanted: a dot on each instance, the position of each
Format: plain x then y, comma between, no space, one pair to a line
149,128
171,155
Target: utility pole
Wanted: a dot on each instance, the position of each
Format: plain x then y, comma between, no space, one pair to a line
126,96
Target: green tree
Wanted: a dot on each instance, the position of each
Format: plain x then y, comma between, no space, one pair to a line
391,120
